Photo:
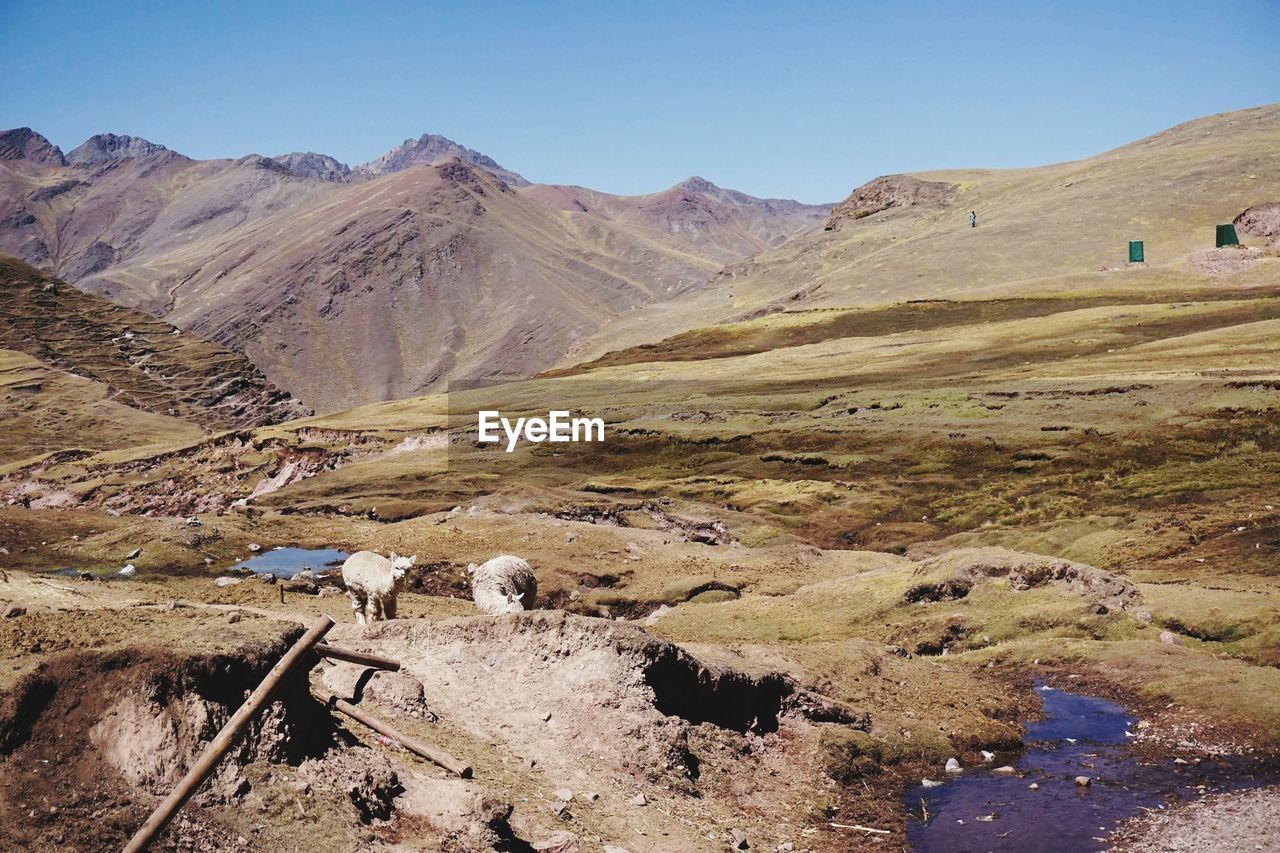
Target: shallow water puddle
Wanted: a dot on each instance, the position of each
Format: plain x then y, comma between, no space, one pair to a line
287,562
981,810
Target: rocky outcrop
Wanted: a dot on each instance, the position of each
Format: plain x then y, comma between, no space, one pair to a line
23,143
318,167
891,191
1262,221
953,575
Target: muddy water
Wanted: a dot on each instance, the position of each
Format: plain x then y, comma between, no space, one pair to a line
287,562
1079,736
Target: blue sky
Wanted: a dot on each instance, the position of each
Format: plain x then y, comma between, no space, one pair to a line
801,100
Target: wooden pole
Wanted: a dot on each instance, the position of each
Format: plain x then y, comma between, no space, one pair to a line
377,661
226,738
444,759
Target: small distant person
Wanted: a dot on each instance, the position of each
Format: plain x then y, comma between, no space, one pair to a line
973,219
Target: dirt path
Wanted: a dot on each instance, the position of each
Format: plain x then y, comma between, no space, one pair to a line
1242,820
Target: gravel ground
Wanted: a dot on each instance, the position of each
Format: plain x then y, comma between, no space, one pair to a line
1244,820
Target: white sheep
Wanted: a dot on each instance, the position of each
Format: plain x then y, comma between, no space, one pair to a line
373,582
504,584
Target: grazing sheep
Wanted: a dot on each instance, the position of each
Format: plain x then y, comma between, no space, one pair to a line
504,584
374,581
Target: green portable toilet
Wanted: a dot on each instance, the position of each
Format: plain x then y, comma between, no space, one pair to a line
1135,252
1227,236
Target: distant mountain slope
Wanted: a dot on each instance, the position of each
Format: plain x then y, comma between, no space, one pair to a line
395,285
131,358
1063,227
354,286
724,224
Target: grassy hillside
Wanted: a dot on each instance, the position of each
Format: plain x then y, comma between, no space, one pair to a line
83,372
1060,229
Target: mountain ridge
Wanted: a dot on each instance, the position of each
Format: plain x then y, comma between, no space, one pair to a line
277,257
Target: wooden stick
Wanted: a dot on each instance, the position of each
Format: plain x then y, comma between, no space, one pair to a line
225,739
376,661
444,759
861,828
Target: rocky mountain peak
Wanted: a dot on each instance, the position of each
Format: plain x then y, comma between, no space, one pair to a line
109,147
23,143
697,185
431,149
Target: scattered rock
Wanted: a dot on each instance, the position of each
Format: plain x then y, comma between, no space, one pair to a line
128,571
558,842
738,839
267,577
233,617
988,756
1035,786
639,800
303,582
652,618
1007,770
398,690
254,547
929,783
1170,639
564,795
346,680
591,796
13,611
226,581
953,766
1083,781
133,555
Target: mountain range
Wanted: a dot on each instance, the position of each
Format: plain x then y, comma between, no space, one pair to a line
354,285
433,262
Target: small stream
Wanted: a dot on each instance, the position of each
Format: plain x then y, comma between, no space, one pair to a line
287,562
980,810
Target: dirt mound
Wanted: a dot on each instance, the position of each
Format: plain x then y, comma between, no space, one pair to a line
1225,261
572,683
1261,220
89,740
891,191
954,574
